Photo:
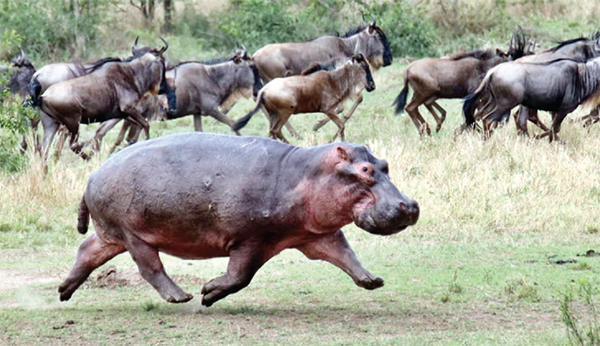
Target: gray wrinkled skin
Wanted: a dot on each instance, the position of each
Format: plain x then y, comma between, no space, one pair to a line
197,196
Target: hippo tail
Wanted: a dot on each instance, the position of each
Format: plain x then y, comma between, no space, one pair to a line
400,101
244,121
83,218
35,89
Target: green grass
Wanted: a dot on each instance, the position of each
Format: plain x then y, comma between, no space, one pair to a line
479,268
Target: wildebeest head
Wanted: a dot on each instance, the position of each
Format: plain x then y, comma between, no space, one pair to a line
373,44
382,209
246,72
138,52
360,61
22,71
156,80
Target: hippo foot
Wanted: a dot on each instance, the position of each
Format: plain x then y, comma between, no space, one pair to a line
64,293
185,297
371,283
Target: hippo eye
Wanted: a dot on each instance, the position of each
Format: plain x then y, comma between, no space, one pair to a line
385,169
365,169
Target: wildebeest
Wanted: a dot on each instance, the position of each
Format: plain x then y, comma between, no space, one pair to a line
322,91
200,195
579,50
60,72
21,71
557,87
112,91
455,76
289,59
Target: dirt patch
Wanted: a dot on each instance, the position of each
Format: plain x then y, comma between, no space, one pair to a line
112,278
12,279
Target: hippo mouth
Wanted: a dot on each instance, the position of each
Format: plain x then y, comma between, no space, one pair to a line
387,222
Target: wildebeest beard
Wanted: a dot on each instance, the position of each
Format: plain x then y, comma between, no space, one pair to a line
166,89
257,82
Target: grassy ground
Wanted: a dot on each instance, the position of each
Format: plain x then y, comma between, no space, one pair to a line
479,268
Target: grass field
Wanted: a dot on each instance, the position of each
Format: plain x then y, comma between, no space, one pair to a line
479,268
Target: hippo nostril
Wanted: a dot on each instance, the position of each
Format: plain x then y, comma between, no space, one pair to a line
402,207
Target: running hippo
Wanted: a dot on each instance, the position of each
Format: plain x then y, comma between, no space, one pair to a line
200,195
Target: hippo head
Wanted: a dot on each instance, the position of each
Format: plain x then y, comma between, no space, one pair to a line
377,205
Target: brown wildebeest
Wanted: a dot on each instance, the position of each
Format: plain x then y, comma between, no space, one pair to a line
289,59
210,87
60,72
557,87
455,76
113,91
320,92
201,195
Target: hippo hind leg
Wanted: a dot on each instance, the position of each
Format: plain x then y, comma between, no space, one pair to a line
93,252
153,271
242,266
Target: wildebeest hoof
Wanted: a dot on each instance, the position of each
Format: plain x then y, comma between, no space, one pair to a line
181,299
64,294
371,284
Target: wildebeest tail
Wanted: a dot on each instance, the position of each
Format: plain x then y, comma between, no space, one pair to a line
35,89
257,82
244,121
471,102
83,218
400,101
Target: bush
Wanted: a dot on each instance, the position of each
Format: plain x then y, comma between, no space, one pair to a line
51,28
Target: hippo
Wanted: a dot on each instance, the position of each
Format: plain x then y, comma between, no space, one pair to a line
201,195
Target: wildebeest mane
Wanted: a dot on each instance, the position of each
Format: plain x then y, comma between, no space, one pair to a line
98,64
356,30
480,54
561,44
587,81
213,61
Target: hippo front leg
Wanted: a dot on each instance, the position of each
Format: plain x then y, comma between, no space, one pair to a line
243,264
334,248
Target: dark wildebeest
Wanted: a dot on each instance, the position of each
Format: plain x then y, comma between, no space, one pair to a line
112,91
289,59
455,76
21,71
199,195
319,92
579,50
558,87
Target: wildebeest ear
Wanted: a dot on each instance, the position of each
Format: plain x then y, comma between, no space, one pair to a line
499,52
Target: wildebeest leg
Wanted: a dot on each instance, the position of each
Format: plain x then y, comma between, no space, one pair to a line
292,130
101,132
198,122
340,125
138,118
557,120
591,118
521,118
215,113
244,262
352,109
50,127
534,118
60,143
413,111
75,147
152,270
439,120
126,126
134,133
276,126
93,252
335,249
338,110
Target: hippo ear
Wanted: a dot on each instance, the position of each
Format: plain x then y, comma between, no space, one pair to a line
343,154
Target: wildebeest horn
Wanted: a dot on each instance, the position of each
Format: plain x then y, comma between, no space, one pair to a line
166,46
244,48
135,43
374,20
22,53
